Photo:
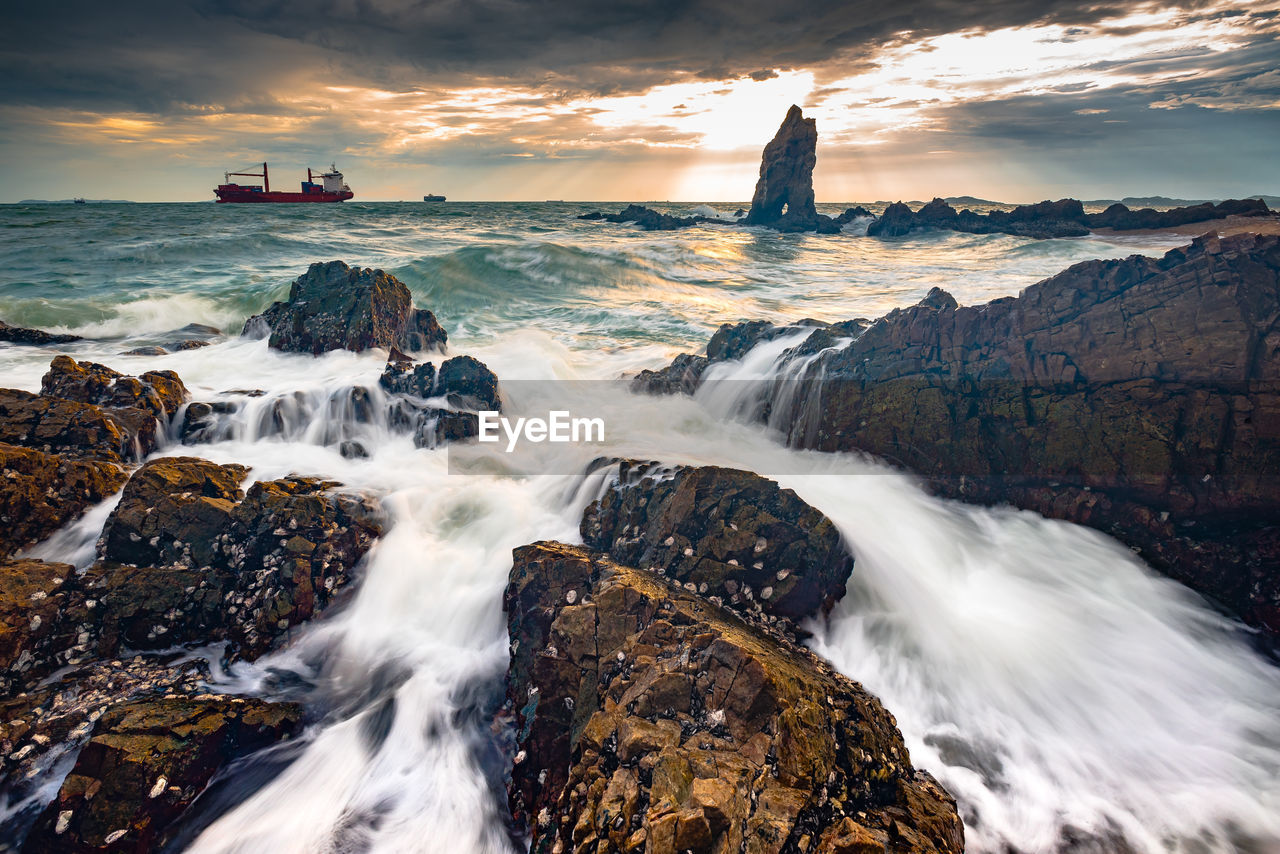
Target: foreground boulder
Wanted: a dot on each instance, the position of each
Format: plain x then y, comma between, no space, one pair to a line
50,718
726,533
39,493
88,411
1138,396
651,720
146,762
336,307
74,429
160,393
186,557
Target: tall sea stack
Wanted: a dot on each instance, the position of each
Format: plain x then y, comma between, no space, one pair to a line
784,193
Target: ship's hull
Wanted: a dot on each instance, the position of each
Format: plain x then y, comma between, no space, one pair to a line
246,196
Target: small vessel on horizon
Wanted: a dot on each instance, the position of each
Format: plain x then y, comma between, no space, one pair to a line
332,188
78,201
432,197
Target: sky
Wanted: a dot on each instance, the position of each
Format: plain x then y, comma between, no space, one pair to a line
1015,100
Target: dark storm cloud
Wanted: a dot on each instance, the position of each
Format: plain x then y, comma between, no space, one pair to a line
1206,116
161,56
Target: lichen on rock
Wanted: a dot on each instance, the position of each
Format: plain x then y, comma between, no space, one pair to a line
39,493
147,761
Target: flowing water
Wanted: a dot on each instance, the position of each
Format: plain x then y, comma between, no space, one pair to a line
1058,688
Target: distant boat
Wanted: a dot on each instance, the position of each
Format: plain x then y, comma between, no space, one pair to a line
78,201
332,188
431,197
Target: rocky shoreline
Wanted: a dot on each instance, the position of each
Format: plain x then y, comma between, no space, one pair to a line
192,555
659,697
1140,397
699,578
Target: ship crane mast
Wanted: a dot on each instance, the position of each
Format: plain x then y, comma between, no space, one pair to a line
266,182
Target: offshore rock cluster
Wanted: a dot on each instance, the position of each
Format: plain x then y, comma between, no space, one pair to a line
784,201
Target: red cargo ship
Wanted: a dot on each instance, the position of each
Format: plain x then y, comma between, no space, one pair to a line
330,189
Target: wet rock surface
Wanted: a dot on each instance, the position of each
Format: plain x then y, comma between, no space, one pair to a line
651,720
74,429
88,411
187,557
45,715
682,376
39,493
1139,396
37,337
157,392
724,533
435,403
783,197
463,383
732,341
190,337
336,307
32,593
146,762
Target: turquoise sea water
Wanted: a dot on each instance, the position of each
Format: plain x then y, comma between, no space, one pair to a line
1049,680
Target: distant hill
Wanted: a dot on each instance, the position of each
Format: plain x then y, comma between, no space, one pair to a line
957,201
1166,202
72,201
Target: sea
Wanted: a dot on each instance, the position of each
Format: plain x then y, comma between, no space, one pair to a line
1069,698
